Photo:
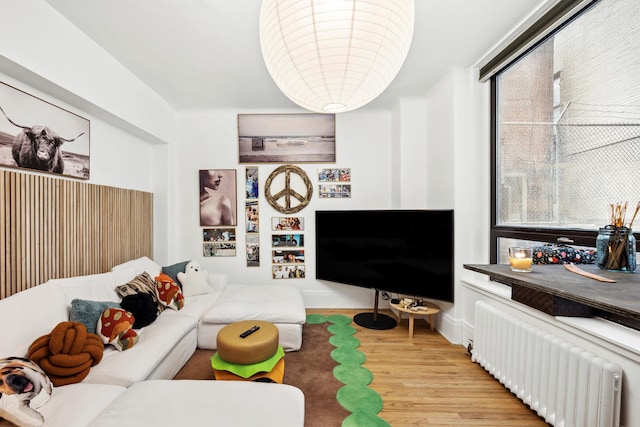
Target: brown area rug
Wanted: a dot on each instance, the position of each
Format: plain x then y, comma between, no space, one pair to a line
310,369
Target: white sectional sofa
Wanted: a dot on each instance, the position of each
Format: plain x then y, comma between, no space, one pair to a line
141,374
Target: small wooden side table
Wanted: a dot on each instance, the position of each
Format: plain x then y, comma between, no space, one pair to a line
428,308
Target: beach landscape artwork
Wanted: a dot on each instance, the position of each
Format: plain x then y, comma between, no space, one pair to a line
287,138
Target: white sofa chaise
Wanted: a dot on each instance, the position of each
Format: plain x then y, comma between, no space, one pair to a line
163,347
276,304
204,403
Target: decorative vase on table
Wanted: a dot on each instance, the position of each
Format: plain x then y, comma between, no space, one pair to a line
616,249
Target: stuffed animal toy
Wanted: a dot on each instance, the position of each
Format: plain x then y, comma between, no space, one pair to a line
194,280
24,387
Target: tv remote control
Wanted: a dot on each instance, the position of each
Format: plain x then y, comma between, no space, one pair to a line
249,331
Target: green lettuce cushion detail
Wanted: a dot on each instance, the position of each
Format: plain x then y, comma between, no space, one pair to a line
88,312
245,371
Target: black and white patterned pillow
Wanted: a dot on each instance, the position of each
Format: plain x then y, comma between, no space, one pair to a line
143,283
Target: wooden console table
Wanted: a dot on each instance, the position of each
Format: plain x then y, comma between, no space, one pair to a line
559,292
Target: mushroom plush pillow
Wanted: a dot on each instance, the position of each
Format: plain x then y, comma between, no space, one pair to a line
169,293
194,280
115,327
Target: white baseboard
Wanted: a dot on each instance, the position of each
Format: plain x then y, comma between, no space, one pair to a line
348,297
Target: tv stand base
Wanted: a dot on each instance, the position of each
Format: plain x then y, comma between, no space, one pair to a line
375,321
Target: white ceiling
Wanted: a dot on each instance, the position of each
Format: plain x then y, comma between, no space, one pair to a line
206,53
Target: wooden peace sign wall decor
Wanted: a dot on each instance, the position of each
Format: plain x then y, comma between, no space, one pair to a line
282,199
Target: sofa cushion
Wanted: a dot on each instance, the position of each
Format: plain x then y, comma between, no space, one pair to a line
157,342
37,309
139,265
173,270
92,287
272,303
75,405
199,403
88,312
195,307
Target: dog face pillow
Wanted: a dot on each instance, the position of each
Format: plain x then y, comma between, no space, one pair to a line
24,387
194,280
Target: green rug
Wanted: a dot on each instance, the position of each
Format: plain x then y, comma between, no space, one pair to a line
355,396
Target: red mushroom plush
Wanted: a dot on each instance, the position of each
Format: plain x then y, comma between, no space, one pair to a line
169,292
115,327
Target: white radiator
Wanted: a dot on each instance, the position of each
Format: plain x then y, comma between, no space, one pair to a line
563,383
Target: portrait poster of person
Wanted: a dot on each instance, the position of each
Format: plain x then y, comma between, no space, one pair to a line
252,182
218,197
253,250
252,216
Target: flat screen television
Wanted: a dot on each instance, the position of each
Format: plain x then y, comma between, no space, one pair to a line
403,252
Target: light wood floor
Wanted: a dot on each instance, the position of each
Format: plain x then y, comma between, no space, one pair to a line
427,381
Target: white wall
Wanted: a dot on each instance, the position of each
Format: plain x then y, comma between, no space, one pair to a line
139,143
429,152
209,140
48,53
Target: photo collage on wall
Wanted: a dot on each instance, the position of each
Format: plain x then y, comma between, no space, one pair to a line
334,183
287,248
252,216
218,212
219,242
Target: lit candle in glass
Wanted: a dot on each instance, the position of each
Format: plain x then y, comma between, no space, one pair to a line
520,259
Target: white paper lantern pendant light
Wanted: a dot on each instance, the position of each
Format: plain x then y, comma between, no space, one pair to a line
332,56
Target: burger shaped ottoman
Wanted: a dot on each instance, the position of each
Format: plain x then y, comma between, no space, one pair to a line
249,351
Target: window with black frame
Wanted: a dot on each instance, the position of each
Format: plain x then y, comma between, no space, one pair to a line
566,129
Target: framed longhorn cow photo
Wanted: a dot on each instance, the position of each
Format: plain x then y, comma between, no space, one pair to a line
40,136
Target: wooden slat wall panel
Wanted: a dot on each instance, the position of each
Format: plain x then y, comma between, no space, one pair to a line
51,228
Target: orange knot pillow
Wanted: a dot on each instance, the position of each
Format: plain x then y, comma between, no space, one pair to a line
67,353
